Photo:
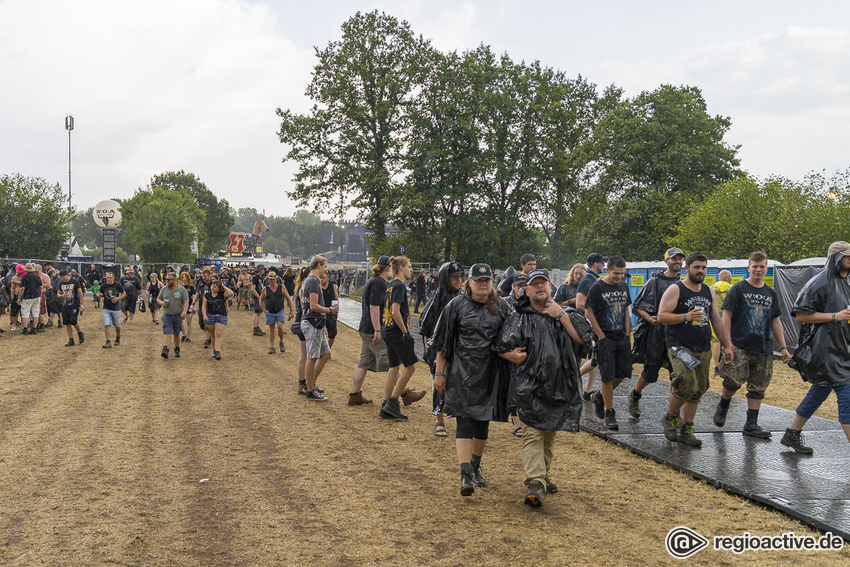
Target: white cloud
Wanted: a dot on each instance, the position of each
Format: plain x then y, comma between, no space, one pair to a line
153,86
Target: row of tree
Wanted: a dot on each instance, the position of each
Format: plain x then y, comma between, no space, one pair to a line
479,157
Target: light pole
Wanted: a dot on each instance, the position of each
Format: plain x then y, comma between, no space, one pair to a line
69,125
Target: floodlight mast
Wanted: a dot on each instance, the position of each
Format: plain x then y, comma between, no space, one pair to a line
69,125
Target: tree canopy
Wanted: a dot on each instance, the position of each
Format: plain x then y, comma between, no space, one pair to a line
217,215
476,157
160,224
33,217
787,220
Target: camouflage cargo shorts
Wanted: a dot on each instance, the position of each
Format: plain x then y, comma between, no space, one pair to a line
689,385
754,370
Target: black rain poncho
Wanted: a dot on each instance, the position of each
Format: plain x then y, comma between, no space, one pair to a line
650,346
546,389
477,378
432,310
823,352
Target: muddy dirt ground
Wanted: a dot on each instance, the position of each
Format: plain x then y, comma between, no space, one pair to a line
118,457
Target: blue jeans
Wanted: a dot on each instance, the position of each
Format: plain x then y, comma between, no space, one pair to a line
818,394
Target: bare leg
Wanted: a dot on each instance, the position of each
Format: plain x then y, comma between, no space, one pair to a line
607,390
389,382
403,379
357,380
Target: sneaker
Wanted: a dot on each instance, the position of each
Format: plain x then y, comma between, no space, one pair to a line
182,339
755,430
164,353
686,436
188,340
599,405
358,399
108,344
477,479
177,352
611,420
82,337
25,331
466,485
39,328
60,325
719,418
671,425
410,397
282,347
551,487
216,355
316,396
634,406
587,396
70,342
49,324
207,343
302,388
534,497
794,438
117,341
271,350
13,328
391,410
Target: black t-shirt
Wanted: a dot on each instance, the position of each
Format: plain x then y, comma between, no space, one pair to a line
289,283
110,295
396,293
31,282
753,309
586,282
310,285
609,303
374,293
131,286
71,294
257,283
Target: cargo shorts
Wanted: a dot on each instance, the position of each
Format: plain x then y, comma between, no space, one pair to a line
689,385
754,370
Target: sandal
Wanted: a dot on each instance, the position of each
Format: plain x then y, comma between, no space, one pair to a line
518,431
440,430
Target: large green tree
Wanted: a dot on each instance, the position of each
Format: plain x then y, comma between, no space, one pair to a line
160,224
350,147
217,216
787,220
658,155
33,217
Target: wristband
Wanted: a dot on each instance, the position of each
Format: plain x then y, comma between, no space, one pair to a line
558,318
439,374
783,348
833,317
685,317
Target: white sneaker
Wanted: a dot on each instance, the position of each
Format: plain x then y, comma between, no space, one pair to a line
14,328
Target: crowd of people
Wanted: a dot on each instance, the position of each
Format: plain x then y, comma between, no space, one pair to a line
514,349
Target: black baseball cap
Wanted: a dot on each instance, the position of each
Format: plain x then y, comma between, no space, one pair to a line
520,279
594,258
455,268
480,272
384,261
536,274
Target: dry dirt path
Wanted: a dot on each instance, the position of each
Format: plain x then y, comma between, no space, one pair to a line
118,457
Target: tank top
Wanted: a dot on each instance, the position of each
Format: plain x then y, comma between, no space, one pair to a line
216,305
692,335
329,295
274,299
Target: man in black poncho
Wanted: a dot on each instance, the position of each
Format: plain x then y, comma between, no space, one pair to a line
821,358
449,281
650,346
536,338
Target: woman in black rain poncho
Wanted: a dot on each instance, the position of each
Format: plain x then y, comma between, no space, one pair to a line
449,280
469,373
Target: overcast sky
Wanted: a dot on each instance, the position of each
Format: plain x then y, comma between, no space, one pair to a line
158,85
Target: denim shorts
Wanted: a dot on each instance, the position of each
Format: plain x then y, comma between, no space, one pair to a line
112,318
279,317
172,324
